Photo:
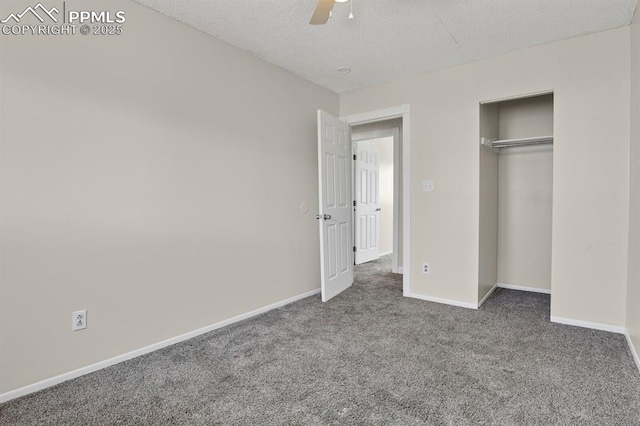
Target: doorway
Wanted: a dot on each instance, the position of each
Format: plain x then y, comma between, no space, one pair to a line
366,125
393,122
376,189
335,177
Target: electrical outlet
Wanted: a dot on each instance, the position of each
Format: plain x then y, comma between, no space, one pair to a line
79,320
426,268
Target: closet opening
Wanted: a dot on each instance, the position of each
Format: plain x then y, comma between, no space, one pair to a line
516,194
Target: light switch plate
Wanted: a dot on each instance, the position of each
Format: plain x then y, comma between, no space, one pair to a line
428,186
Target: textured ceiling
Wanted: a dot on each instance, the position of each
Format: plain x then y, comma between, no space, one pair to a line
391,39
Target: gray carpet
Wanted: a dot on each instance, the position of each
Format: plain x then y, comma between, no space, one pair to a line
368,356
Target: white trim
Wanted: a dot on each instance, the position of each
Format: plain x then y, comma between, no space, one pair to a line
486,296
378,115
400,270
52,381
634,353
385,253
522,288
587,324
393,132
445,301
406,201
403,111
397,169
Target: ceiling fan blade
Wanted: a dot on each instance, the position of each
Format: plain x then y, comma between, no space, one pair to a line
321,14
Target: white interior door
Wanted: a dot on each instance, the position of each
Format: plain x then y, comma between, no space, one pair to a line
367,216
334,173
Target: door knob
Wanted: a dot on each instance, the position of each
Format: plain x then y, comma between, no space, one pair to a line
327,216
378,209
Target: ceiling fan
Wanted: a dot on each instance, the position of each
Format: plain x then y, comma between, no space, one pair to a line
322,13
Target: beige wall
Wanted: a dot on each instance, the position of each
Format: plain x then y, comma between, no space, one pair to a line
151,178
525,211
385,157
488,209
526,118
633,295
526,194
367,129
591,165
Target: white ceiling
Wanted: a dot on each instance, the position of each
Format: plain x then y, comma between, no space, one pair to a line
391,39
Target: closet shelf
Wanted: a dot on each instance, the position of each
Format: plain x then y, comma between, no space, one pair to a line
509,143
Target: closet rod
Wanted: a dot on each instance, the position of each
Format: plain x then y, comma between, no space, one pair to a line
509,143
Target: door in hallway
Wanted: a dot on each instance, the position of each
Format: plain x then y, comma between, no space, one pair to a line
367,202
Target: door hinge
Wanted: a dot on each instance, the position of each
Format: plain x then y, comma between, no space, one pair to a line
354,156
354,203
354,249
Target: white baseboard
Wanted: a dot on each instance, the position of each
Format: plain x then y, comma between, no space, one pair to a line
52,381
385,253
486,296
400,270
445,301
521,288
634,353
592,325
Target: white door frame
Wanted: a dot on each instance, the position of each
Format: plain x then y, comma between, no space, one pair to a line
404,112
393,132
